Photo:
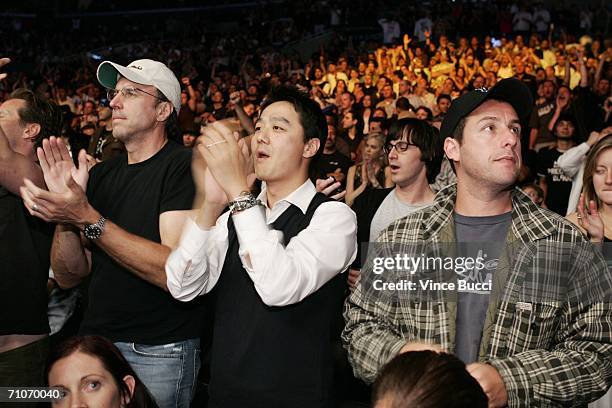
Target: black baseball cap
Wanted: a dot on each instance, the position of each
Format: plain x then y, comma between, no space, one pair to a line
510,90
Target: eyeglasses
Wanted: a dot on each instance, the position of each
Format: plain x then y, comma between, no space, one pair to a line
128,93
401,146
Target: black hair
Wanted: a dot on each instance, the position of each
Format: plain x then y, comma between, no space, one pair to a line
458,131
383,122
45,113
350,95
426,138
426,379
403,104
426,109
311,117
443,96
358,117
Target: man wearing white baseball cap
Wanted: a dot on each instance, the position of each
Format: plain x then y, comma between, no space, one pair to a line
120,222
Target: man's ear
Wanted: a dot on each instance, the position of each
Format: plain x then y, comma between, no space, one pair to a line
311,148
451,148
31,131
164,110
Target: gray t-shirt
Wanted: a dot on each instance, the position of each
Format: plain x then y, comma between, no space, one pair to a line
485,237
391,209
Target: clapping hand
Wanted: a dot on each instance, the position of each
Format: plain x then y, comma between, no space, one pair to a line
227,158
590,220
3,62
65,201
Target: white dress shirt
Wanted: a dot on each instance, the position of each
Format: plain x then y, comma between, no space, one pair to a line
282,275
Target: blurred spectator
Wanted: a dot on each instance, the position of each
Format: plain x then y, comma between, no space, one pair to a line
189,137
555,184
103,145
425,379
371,171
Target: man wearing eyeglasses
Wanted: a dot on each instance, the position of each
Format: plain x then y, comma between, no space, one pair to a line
538,334
119,224
415,155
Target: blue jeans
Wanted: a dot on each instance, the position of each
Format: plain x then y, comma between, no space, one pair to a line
169,371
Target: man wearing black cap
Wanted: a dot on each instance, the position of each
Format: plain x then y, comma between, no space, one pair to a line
121,222
523,351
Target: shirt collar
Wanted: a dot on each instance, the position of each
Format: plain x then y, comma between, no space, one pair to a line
301,197
529,222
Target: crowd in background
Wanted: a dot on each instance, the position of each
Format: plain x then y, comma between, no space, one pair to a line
414,62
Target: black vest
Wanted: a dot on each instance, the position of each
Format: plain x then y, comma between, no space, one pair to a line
270,357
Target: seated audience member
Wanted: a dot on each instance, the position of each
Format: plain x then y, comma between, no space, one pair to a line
378,125
103,145
424,113
535,193
332,162
403,108
350,131
426,379
556,184
91,371
371,171
189,137
443,102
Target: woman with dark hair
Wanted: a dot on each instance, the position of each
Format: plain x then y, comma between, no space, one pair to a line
426,379
91,370
367,111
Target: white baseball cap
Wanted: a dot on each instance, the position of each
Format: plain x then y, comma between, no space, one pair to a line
146,72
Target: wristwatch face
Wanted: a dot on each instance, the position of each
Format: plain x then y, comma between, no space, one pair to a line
92,231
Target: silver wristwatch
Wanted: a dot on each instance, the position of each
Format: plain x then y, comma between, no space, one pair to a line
94,231
244,201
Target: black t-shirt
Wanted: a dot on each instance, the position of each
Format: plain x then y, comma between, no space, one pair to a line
353,144
123,307
559,185
335,164
25,244
219,114
540,117
186,117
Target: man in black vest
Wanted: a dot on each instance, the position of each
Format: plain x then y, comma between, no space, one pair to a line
271,262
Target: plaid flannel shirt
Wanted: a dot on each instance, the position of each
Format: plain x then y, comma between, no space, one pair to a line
554,354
